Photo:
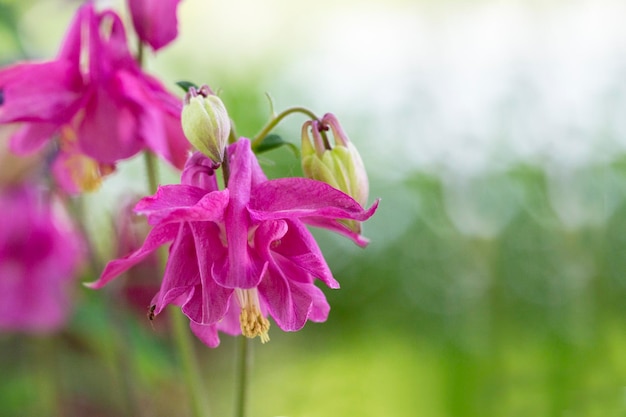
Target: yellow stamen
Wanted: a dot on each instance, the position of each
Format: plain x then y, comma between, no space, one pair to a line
251,320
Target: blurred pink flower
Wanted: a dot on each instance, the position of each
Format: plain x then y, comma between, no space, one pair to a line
155,21
243,251
40,254
96,89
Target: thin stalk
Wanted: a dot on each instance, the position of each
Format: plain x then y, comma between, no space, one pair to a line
191,370
244,359
272,123
182,338
151,171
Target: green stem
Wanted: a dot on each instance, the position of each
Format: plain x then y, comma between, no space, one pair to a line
182,338
151,171
191,370
243,366
272,123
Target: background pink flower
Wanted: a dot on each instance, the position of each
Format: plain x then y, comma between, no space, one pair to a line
40,254
155,21
96,89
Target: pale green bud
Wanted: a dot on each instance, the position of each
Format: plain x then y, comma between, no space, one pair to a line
340,165
205,122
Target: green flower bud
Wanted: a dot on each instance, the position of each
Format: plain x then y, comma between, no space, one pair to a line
340,165
205,122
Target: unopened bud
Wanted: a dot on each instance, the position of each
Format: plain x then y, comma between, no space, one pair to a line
205,122
340,165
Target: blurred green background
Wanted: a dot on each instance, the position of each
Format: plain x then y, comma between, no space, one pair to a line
493,131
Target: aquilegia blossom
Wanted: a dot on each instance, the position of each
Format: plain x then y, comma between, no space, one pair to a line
40,253
155,21
96,89
242,251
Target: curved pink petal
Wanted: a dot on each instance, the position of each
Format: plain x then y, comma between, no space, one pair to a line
181,271
158,236
212,303
109,130
49,92
199,172
159,123
207,333
336,226
32,136
288,302
242,268
299,247
155,21
303,197
177,203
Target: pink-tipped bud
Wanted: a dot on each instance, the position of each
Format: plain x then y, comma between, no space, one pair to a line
205,122
340,165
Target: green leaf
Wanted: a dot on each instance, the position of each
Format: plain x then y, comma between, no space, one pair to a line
186,85
274,141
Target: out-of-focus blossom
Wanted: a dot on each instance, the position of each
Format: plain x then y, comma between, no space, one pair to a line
205,122
340,165
155,21
15,169
240,251
75,172
142,280
40,254
95,88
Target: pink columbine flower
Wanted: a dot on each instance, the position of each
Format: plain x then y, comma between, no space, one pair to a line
243,251
155,21
96,89
40,253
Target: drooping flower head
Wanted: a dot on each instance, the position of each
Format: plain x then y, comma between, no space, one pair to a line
40,254
95,90
155,21
243,251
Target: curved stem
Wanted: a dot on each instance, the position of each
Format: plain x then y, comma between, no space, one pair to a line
243,366
272,123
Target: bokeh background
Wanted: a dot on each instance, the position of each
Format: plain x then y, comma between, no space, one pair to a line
494,132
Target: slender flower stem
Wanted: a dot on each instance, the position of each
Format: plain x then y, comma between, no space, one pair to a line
151,171
182,339
276,119
191,371
244,358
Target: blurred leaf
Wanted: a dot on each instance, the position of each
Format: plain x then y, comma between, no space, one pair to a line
186,85
274,141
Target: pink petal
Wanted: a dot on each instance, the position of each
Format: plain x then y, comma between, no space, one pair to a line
157,237
337,227
243,268
288,302
155,21
181,272
32,137
303,197
212,302
207,333
299,247
177,203
199,172
49,92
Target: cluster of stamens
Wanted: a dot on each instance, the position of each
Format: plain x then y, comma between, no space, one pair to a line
252,322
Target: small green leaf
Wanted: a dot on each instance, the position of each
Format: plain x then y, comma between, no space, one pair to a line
186,85
274,141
